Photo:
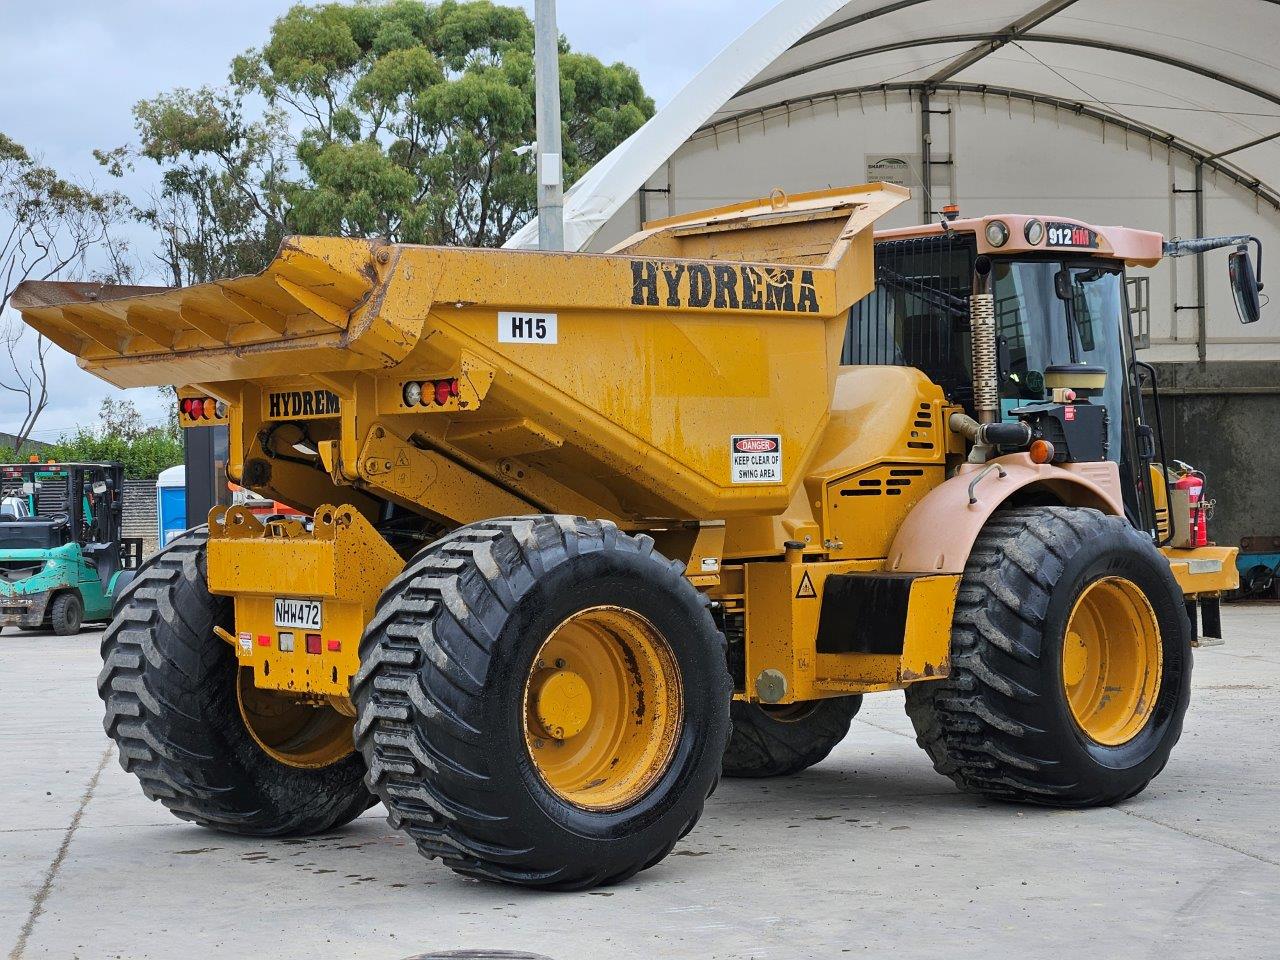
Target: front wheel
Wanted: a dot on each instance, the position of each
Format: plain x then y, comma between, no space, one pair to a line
543,701
66,613
1070,663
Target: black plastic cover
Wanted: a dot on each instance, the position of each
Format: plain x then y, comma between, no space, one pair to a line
864,613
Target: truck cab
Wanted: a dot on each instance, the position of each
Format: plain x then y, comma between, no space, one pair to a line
1063,298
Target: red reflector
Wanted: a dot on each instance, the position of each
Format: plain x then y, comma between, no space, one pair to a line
335,645
313,643
264,640
453,388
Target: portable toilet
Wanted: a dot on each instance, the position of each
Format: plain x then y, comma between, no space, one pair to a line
171,504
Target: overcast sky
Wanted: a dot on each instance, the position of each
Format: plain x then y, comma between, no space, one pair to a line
70,72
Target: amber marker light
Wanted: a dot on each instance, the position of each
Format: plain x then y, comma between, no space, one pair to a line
1041,451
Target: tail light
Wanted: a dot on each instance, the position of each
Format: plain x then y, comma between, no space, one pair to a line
201,410
423,393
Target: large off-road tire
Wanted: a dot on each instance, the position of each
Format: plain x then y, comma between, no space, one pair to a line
473,721
66,613
778,741
1070,663
172,690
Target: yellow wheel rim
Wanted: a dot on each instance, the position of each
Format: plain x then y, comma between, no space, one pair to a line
292,730
1111,660
603,708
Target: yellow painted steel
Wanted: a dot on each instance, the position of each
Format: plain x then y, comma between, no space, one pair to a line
783,625
1111,660
1204,570
708,326
1160,499
603,708
615,386
342,562
292,730
885,425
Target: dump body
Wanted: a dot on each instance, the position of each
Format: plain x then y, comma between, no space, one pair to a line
688,375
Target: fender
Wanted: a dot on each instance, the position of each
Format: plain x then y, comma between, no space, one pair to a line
938,534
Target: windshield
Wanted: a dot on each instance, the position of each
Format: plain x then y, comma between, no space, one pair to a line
1033,322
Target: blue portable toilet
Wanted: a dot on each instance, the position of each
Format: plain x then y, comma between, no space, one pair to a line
171,504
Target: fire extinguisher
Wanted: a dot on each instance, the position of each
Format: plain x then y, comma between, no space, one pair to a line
1193,483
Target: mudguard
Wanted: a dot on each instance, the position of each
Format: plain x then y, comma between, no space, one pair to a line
939,533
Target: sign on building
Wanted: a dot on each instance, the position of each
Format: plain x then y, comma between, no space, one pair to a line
903,169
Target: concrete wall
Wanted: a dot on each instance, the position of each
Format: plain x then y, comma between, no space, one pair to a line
1222,418
140,513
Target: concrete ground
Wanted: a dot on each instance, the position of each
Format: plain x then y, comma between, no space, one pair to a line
868,853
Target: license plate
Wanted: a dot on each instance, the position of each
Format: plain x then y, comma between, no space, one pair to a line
303,614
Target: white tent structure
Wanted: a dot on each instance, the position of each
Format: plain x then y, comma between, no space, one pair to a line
594,199
1162,114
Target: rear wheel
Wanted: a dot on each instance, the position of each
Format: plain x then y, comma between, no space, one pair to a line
775,741
1070,663
66,613
543,701
196,732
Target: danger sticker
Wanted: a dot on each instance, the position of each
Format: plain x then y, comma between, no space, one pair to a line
756,459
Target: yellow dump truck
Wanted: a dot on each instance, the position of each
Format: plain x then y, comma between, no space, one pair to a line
579,531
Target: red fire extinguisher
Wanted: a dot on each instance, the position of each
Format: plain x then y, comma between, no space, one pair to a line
1193,483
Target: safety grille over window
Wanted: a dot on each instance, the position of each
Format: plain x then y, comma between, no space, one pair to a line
918,315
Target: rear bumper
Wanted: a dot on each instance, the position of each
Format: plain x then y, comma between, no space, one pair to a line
342,562
23,609
1204,570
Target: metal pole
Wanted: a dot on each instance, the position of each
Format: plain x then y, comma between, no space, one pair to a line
926,155
547,105
1202,315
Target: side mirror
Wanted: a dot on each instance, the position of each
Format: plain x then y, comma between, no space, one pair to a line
1244,285
99,488
1062,285
28,488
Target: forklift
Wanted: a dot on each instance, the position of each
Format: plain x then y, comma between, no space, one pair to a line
63,559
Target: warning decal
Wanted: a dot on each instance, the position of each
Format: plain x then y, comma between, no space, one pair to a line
806,591
756,459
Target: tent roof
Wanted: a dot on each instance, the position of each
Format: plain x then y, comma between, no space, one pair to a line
1199,77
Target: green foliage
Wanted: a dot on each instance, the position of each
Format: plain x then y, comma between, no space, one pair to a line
395,119
121,435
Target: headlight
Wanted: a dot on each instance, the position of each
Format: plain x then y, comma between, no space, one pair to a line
997,233
412,394
1034,232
